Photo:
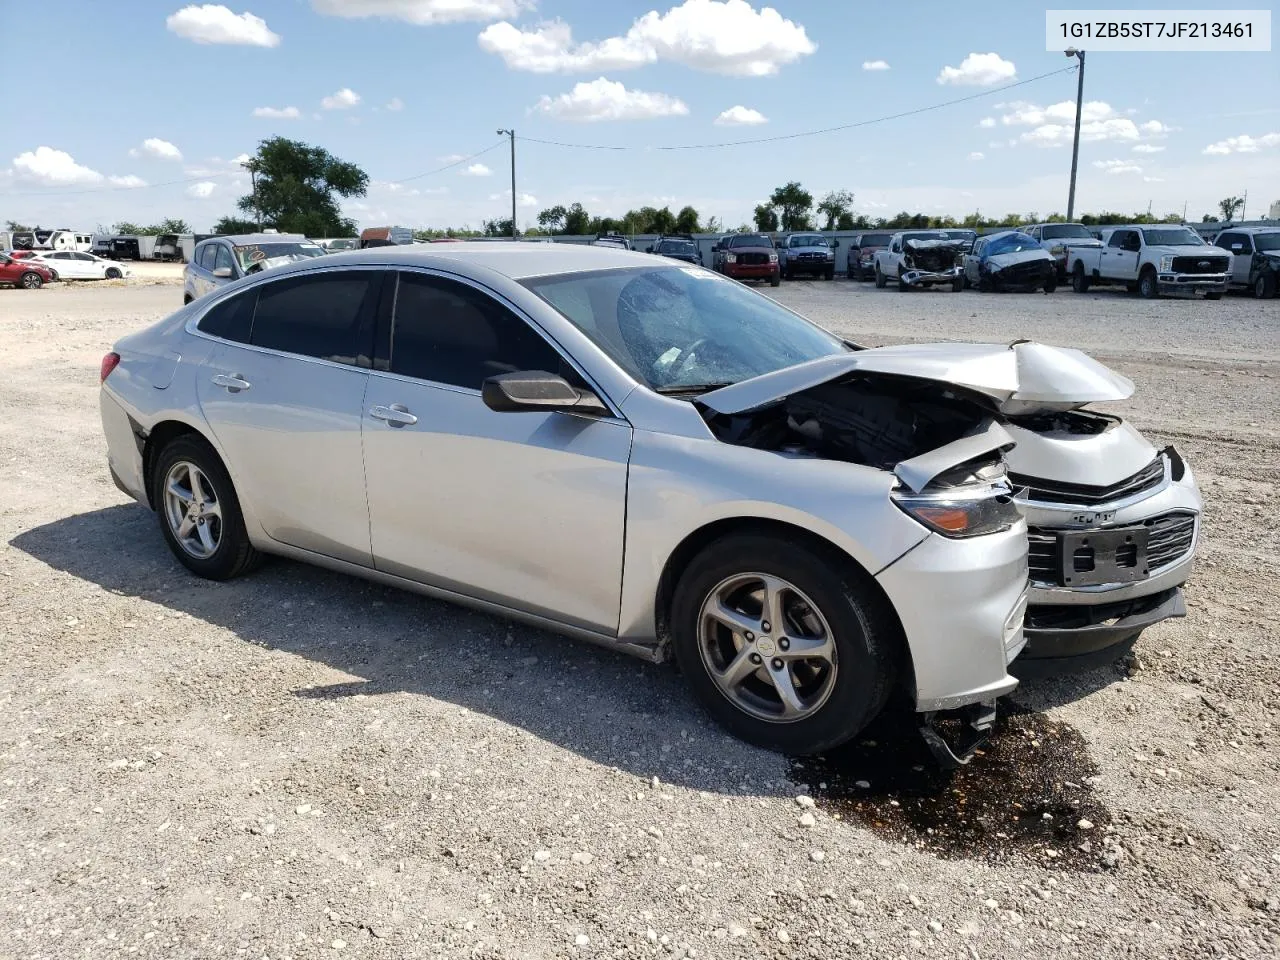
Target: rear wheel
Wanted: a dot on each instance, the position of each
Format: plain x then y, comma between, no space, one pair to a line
1079,279
199,512
880,278
31,281
1148,285
787,648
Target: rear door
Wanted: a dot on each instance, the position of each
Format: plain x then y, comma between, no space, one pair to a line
1119,261
283,394
523,509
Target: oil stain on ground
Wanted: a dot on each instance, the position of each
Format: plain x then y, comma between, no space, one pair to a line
1028,794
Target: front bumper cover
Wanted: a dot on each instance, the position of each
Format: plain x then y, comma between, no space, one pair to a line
915,278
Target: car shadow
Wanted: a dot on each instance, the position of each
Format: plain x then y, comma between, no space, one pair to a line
606,706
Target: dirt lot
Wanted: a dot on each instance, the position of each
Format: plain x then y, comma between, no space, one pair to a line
303,765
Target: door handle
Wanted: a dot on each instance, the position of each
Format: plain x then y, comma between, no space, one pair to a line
397,415
232,381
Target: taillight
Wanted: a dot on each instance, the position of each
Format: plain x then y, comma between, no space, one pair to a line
109,363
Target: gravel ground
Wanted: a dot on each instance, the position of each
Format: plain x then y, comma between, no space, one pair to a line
303,765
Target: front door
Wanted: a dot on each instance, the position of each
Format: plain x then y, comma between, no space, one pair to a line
285,403
523,509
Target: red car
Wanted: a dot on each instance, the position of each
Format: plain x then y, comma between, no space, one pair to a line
24,273
747,256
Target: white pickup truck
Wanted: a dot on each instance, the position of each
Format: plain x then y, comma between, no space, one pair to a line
921,258
1152,259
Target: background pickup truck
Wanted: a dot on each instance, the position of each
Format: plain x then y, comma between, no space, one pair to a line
921,259
1152,260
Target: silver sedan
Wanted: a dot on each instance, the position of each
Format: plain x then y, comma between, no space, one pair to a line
636,452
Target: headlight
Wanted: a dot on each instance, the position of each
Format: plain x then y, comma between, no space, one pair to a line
773,258
730,258
1058,250
960,517
830,255
1166,264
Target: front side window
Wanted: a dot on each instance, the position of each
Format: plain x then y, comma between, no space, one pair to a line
222,258
1118,238
1267,241
205,256
449,332
679,328
325,315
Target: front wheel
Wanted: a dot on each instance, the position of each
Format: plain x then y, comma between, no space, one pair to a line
957,286
199,511
1079,279
31,281
881,281
775,280
113,273
830,274
1148,285
1050,285
1264,288
787,648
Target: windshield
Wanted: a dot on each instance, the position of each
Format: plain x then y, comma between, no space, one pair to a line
874,240
1010,243
922,236
260,256
750,240
677,246
961,234
1066,231
1173,237
673,327
1266,241
807,240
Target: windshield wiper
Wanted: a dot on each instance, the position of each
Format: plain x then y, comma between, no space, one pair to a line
677,388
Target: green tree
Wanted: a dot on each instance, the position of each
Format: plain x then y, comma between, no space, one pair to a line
713,225
497,227
577,222
662,221
793,204
13,226
836,204
687,221
846,221
173,225
129,229
1229,206
1208,218
296,186
234,225
553,218
766,218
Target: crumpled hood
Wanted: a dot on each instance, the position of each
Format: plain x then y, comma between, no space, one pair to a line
1002,261
1018,379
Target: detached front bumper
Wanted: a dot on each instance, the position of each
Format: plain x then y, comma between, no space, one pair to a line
915,278
961,604
1193,282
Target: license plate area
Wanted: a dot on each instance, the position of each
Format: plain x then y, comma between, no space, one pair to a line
1090,557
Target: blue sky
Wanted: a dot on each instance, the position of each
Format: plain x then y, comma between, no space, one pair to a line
146,92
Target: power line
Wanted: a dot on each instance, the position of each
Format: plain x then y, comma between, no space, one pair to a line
453,163
806,133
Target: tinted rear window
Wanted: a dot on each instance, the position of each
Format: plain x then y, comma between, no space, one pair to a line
328,316
230,319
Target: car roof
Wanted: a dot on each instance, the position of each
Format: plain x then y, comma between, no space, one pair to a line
512,259
241,239
1251,230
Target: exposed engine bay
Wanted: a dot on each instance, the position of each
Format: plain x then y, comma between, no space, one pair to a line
932,256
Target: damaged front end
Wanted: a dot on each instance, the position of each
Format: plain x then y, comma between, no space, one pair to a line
1025,270
926,262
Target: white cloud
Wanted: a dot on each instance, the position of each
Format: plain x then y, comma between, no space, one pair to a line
875,65
424,12
214,23
127,181
976,155
522,199
155,147
1054,125
986,123
1117,166
344,99
52,167
1147,148
979,70
740,116
603,99
718,36
1242,144
277,113
1028,114
202,190
1153,179
395,104
477,170
452,157
240,160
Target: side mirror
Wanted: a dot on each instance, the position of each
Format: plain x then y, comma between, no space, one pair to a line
715,248
834,243
537,390
222,273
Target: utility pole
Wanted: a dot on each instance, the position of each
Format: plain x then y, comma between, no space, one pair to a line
252,167
1244,206
1075,147
512,135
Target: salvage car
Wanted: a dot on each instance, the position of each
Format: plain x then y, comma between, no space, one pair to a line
1058,238
680,467
747,256
921,258
1010,260
1153,261
1255,258
806,254
218,261
861,263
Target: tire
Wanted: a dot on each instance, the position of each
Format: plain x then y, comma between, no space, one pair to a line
849,273
1050,285
1148,285
860,629
775,280
232,553
53,276
957,286
830,274
1213,296
1079,280
881,280
113,273
1264,288
31,281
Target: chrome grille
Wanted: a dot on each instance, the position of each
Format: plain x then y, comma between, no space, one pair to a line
1051,491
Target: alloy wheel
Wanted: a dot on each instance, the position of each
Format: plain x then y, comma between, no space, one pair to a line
767,647
192,509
